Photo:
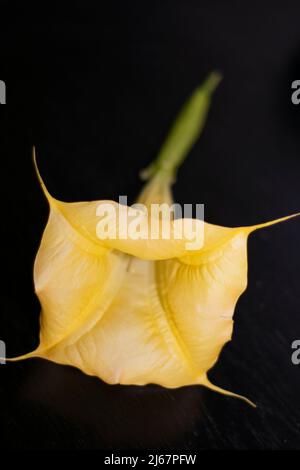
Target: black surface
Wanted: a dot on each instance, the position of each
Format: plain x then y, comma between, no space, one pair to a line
96,89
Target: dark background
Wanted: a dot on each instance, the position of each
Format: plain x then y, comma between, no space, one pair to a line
95,88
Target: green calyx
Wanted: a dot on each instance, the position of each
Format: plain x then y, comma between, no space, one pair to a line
184,132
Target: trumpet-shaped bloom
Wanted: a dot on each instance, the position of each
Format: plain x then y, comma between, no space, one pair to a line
145,310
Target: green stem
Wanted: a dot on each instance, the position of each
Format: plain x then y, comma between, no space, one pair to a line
185,130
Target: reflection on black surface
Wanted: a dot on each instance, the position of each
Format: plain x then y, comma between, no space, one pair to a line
118,416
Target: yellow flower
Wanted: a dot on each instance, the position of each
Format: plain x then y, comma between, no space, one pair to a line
146,310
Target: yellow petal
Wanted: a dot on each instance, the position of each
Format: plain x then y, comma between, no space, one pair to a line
75,280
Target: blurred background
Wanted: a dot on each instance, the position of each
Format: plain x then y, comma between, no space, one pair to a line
95,88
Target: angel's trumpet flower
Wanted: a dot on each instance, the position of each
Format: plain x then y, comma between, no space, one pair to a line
139,311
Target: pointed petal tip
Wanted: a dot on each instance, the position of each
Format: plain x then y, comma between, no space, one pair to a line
207,383
252,228
42,184
23,357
